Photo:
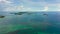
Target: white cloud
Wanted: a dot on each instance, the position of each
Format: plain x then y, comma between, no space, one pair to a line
17,8
45,8
12,8
30,6
58,5
5,4
54,7
5,1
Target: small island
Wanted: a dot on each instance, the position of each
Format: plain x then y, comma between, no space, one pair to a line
19,13
45,14
2,16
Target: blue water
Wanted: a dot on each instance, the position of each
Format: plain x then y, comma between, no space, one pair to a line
34,23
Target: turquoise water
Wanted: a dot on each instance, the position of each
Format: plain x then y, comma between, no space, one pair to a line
34,23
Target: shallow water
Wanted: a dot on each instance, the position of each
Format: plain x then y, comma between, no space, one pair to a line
34,23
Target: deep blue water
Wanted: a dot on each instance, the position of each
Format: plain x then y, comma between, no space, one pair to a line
34,23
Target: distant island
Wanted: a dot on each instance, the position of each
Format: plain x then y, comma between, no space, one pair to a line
20,13
2,16
45,14
28,13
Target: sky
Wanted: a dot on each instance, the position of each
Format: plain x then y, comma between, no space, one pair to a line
29,5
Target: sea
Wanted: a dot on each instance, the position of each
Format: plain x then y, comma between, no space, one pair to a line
30,23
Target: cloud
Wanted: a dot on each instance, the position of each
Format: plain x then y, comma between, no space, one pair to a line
4,4
30,5
45,8
58,5
5,1
17,8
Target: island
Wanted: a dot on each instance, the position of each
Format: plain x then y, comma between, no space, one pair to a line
45,14
21,13
2,16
